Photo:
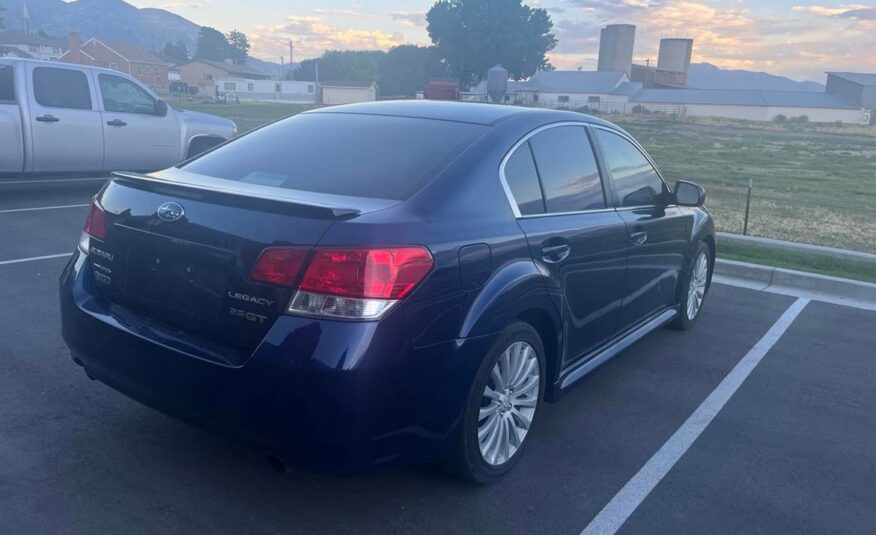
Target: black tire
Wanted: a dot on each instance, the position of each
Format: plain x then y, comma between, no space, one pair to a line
683,321
467,461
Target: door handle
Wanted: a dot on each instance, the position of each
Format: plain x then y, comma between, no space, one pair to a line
555,253
47,119
638,238
117,122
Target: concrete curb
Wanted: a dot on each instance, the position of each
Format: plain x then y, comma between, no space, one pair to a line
831,252
797,283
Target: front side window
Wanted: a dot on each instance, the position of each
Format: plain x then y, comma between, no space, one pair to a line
122,95
635,179
7,87
564,99
522,180
61,88
567,168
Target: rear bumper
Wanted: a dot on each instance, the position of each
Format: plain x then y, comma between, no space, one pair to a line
334,395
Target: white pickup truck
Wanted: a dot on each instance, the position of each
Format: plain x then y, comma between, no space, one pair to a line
59,117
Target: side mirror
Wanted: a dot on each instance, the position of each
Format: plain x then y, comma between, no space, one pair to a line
689,194
160,108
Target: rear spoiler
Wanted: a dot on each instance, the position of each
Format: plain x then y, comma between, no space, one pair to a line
249,191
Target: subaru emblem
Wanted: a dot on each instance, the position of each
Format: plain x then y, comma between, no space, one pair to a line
170,211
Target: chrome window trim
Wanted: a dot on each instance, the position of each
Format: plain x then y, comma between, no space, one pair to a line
507,188
644,153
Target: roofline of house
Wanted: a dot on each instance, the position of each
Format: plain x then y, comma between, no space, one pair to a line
116,52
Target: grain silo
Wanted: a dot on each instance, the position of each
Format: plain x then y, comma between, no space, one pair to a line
497,83
673,61
616,43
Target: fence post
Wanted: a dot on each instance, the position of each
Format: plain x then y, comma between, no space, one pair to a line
747,208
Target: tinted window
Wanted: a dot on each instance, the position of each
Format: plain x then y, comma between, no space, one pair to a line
7,90
343,154
635,179
568,171
61,88
122,95
522,179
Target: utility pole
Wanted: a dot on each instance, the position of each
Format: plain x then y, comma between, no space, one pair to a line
291,57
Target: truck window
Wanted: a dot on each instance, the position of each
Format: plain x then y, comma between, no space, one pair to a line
122,95
7,89
61,88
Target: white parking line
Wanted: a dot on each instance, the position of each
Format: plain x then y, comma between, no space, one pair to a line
13,210
33,258
52,180
625,502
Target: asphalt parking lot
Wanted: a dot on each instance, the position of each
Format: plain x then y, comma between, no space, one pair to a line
760,420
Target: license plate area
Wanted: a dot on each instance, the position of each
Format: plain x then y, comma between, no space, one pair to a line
179,277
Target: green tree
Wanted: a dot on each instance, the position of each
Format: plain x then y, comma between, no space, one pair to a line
405,69
474,35
239,46
212,45
343,65
177,52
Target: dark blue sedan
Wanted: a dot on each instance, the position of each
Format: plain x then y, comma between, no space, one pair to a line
383,283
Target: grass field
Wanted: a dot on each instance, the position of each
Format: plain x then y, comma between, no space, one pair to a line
812,183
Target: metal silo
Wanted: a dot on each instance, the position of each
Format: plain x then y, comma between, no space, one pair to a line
497,83
675,55
616,43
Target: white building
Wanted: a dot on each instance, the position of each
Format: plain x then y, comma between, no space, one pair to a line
612,92
267,90
347,92
32,45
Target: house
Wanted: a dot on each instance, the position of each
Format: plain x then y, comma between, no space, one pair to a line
347,92
267,90
22,44
120,56
203,73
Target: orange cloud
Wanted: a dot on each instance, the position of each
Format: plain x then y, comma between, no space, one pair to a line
311,37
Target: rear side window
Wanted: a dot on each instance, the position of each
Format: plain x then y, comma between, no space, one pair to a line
61,88
7,89
635,179
568,170
522,179
342,154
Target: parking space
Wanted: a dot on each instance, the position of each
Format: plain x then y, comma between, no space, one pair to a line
790,451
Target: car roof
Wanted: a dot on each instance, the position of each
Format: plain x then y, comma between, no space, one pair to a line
464,112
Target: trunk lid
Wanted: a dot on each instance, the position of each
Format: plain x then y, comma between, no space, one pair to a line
178,253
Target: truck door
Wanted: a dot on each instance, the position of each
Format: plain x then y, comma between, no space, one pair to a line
11,135
66,130
140,133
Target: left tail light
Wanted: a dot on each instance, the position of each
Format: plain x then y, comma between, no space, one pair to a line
95,223
356,283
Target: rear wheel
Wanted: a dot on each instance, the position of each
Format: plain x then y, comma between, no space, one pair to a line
502,406
694,287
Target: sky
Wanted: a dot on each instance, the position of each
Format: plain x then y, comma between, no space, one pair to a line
794,38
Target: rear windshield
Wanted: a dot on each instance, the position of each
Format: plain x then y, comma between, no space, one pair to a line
343,154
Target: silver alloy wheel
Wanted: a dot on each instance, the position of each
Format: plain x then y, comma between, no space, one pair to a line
697,289
508,403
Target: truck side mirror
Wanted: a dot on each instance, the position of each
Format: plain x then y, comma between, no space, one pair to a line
160,108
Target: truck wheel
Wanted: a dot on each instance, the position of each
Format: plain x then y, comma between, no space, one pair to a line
202,144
